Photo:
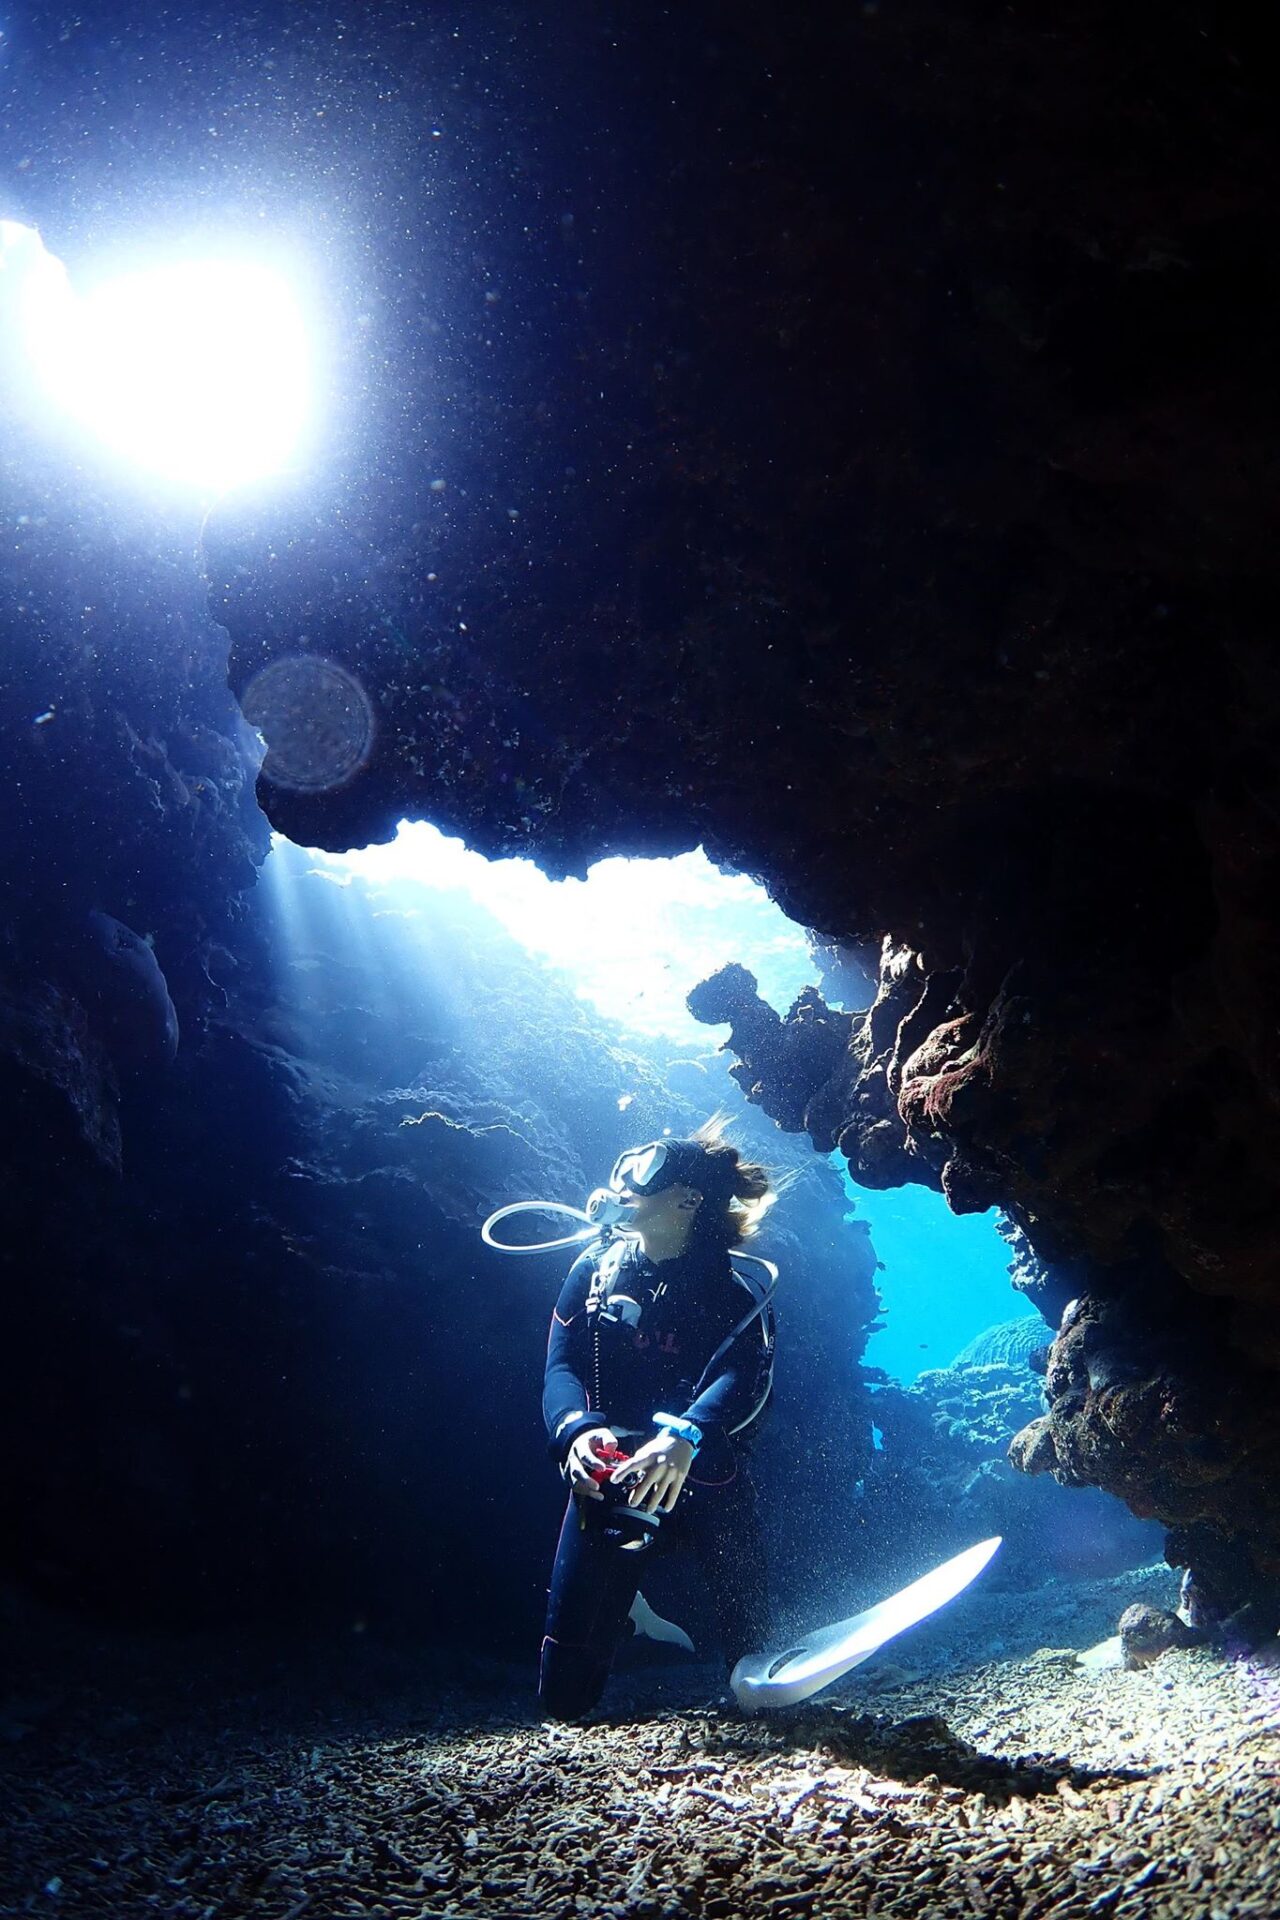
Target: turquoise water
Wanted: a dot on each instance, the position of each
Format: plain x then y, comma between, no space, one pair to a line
945,1277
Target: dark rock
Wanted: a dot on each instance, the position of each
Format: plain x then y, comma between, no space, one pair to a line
785,1066
126,994
1147,1632
1175,1424
1251,1627
59,1082
1031,1449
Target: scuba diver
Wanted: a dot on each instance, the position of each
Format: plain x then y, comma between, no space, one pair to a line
659,1367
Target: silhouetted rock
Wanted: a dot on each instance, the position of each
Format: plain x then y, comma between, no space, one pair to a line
1147,1632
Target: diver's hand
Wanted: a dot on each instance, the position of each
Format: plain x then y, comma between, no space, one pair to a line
582,1456
664,1464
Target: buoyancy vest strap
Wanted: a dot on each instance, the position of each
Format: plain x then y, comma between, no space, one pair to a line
757,1308
607,1270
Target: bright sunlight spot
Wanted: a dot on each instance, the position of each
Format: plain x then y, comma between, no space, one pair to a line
199,373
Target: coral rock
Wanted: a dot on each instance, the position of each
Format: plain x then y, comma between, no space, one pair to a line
1147,1632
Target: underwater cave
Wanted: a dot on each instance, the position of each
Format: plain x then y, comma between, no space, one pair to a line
685,591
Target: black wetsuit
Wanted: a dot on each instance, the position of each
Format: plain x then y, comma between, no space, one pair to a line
606,1373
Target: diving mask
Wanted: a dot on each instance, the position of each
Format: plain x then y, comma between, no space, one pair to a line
639,1170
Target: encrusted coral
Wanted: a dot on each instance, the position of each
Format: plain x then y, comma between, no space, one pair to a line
944,1459
1175,1424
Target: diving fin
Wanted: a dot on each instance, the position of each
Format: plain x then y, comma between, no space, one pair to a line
654,1627
763,1680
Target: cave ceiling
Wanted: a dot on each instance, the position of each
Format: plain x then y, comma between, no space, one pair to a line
871,478
857,458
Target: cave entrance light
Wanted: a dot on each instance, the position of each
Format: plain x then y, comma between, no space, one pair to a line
945,1277
683,918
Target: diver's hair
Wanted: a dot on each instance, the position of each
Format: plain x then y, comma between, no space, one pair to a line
753,1188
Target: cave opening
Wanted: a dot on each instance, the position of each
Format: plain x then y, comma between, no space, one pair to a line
460,1012
192,364
944,1278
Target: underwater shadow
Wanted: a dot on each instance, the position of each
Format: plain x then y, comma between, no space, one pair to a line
920,1749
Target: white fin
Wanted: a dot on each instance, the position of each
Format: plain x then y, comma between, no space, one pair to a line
778,1680
654,1627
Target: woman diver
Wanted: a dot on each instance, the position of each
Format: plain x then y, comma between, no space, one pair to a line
659,1364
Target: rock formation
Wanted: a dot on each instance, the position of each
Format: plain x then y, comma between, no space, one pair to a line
1147,1632
942,1476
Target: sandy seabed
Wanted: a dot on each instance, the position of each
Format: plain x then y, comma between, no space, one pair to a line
976,1768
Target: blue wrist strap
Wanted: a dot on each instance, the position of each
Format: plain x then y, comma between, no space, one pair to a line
682,1429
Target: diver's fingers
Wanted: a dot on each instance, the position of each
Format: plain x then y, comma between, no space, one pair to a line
652,1496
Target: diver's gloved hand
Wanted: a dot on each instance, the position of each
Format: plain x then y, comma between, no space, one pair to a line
664,1464
582,1456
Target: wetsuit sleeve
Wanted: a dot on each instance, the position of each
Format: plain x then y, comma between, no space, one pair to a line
566,1403
727,1397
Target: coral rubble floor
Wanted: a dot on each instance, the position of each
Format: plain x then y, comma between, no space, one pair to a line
983,1771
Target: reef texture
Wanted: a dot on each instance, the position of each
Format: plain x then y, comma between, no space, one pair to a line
943,1469
1012,1343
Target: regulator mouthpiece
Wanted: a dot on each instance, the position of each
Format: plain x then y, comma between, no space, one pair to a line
606,1208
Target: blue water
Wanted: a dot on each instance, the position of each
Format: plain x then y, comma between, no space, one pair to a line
945,1277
